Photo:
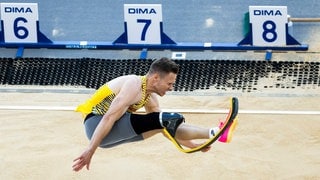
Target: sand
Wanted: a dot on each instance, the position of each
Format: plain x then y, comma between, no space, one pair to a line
41,144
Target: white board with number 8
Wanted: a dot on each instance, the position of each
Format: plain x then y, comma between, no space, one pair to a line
268,25
143,23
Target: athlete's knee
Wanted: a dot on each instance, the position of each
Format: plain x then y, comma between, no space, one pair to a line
171,121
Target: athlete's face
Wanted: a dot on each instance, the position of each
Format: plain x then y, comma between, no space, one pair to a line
165,83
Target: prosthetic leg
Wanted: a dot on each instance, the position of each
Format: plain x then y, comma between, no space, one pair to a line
223,135
170,121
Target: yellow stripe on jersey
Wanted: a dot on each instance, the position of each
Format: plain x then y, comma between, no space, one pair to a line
103,92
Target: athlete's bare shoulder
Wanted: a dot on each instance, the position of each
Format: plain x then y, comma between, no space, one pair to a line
117,83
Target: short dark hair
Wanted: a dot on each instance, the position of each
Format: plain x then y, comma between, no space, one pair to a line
164,66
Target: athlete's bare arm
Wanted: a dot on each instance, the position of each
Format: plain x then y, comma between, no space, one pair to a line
130,90
129,94
153,104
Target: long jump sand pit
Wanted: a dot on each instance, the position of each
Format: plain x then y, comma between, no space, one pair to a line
41,144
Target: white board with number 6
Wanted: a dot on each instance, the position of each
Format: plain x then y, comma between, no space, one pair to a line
19,22
143,23
268,25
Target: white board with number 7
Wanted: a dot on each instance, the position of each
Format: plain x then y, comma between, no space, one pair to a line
143,23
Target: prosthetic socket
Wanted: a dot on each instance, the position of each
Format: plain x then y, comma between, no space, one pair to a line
170,121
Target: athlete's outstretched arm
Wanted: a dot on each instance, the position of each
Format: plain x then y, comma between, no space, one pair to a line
126,96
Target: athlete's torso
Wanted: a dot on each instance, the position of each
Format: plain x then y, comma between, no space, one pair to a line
103,106
101,100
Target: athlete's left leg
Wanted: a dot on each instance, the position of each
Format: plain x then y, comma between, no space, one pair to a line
188,132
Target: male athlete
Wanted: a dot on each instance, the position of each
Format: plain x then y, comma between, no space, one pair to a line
110,119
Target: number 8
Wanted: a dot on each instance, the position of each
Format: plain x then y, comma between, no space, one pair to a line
268,30
20,28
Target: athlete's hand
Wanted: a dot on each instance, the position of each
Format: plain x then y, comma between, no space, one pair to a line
191,144
206,149
83,160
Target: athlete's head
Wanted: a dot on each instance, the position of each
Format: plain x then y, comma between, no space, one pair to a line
163,66
162,75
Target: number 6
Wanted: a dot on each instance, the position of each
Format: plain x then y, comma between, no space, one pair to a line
18,28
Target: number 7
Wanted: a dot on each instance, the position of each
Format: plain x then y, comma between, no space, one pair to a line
145,28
